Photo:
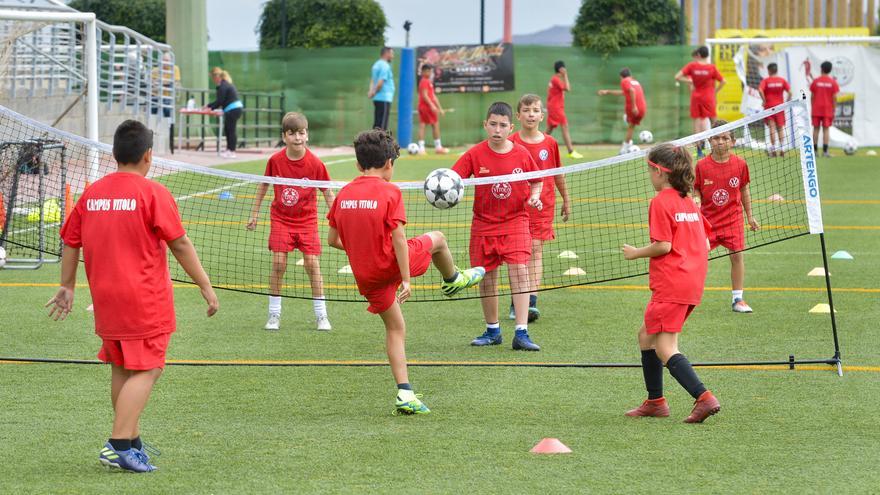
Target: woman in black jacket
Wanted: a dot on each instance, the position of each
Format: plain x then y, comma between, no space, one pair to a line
227,100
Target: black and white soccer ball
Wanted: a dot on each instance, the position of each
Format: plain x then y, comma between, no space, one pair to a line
443,188
851,147
646,137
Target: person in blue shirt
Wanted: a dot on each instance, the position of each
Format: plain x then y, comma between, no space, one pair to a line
382,88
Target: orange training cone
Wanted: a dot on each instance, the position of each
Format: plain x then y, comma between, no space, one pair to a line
550,446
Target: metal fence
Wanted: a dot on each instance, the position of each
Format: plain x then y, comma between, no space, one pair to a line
259,126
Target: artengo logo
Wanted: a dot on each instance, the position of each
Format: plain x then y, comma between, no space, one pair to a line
810,163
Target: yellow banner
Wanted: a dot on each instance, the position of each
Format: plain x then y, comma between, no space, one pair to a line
731,96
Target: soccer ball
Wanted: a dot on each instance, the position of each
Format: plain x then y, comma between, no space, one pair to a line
850,147
633,149
646,137
2,257
413,149
443,188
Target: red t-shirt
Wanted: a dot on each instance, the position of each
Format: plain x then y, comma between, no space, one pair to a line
703,76
364,214
628,83
296,207
720,186
556,92
500,208
824,89
679,275
122,223
426,86
546,156
774,88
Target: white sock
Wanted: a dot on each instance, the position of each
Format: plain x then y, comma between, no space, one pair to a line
493,326
522,327
737,294
422,144
405,395
437,143
320,307
275,305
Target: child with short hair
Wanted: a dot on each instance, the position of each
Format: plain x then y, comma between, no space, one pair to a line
722,189
500,227
545,152
677,274
294,216
556,89
701,76
634,107
367,221
429,108
775,91
124,224
823,90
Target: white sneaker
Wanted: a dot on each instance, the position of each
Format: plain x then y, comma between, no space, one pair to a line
740,306
324,323
274,322
227,154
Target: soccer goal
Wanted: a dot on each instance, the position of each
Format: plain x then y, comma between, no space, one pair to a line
609,207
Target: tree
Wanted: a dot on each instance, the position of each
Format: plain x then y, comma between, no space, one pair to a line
322,23
609,25
144,16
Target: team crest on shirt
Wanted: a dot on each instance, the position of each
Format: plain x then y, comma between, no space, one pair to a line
501,190
734,182
517,170
289,196
543,154
720,197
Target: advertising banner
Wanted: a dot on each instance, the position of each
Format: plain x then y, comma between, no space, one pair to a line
469,68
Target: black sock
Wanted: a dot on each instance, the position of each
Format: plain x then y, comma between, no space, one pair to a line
404,386
533,300
451,279
824,148
815,148
680,369
136,443
120,444
652,368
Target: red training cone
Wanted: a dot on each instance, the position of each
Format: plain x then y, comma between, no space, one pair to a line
550,446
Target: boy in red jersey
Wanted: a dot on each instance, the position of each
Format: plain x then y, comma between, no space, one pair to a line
775,91
722,188
677,274
500,228
123,223
429,107
545,152
633,106
701,76
823,89
367,221
556,89
294,216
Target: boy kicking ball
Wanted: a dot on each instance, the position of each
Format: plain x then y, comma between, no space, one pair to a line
122,223
367,222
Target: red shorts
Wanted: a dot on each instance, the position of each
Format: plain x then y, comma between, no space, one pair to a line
821,121
731,238
426,116
283,239
491,251
779,118
382,297
666,316
541,229
703,108
556,117
137,355
634,118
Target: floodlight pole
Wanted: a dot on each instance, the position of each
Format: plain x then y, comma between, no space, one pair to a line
482,22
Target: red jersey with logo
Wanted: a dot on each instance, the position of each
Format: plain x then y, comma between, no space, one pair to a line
720,186
556,93
824,89
774,88
364,214
122,223
627,84
426,86
680,275
703,76
499,208
296,207
546,156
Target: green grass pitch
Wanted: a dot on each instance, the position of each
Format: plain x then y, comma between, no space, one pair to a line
330,429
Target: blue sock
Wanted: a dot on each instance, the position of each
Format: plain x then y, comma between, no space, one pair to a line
533,300
404,386
493,328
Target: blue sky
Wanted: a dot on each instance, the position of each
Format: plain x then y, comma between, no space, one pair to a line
231,23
